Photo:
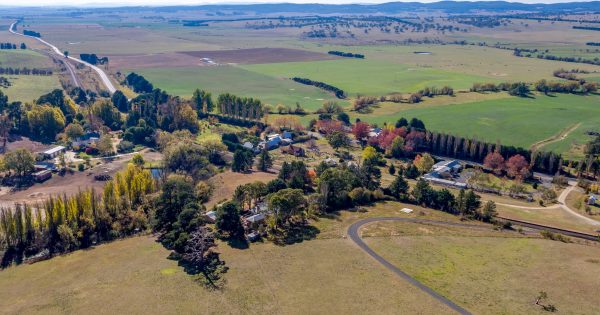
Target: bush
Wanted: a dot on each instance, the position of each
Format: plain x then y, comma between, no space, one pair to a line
80,167
360,196
125,147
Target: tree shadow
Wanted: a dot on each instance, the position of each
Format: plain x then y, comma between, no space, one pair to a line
296,234
237,242
210,274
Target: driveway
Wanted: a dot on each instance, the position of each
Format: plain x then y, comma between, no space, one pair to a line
353,233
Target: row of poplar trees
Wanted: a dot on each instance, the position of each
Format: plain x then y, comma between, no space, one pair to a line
65,223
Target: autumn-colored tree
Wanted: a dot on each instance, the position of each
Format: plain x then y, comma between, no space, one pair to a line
495,162
424,163
329,126
360,130
517,167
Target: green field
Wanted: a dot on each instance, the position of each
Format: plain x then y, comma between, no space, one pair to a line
512,121
24,58
496,275
26,88
229,79
370,77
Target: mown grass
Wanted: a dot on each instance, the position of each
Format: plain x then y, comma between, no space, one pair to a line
496,274
229,79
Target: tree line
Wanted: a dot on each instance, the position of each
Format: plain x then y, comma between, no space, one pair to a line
519,53
593,43
25,71
346,54
339,93
65,223
12,46
245,108
589,28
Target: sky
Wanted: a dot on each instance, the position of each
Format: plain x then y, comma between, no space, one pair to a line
198,2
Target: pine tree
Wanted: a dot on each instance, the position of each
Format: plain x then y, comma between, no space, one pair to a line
265,161
399,187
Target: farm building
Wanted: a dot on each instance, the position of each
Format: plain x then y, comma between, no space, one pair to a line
86,140
42,175
54,152
446,168
41,166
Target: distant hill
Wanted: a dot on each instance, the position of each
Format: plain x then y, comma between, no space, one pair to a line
452,7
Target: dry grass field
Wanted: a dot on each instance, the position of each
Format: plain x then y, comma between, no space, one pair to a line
495,274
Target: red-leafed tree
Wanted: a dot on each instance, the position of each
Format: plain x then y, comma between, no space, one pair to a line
495,162
414,140
517,167
329,126
360,130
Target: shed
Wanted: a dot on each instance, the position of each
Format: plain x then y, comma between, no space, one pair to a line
42,175
592,200
54,152
211,215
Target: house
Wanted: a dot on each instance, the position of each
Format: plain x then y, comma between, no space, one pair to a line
374,132
273,141
446,169
54,152
592,200
254,221
86,140
330,162
42,175
444,182
293,150
248,145
211,216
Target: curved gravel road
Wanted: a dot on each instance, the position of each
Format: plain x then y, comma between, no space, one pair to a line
103,76
355,237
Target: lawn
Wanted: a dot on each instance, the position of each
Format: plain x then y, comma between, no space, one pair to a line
496,275
20,58
235,80
512,121
370,77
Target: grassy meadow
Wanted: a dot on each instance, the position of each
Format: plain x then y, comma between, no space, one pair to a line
235,80
26,88
499,274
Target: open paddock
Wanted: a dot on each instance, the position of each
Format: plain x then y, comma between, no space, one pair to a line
260,55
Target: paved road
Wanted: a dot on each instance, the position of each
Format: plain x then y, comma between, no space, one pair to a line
103,76
353,233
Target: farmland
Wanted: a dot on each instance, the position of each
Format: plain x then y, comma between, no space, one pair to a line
222,79
512,121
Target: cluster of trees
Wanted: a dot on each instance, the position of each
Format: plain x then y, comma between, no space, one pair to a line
31,33
362,104
25,71
339,93
515,88
138,83
66,223
566,87
569,74
243,108
12,46
93,59
516,166
346,54
433,91
4,82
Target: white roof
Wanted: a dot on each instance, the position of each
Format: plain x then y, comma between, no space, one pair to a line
212,215
407,210
54,150
255,218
